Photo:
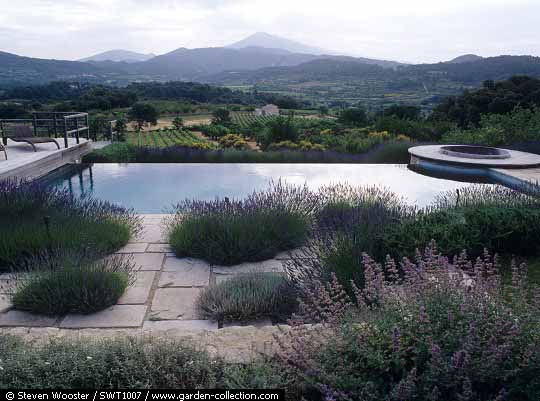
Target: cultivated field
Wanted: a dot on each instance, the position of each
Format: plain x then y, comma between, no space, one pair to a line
171,137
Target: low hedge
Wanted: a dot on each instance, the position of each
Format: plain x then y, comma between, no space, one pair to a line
389,152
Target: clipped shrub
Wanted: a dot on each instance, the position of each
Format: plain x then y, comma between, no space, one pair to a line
428,330
108,364
227,231
248,296
60,284
35,217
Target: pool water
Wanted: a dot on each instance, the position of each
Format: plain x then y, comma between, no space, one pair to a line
154,188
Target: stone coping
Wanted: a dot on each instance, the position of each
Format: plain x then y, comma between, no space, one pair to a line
436,153
236,344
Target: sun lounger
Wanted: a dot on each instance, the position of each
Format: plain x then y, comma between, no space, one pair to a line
23,133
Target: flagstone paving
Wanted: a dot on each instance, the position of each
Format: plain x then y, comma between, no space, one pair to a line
139,292
115,316
163,296
148,261
174,304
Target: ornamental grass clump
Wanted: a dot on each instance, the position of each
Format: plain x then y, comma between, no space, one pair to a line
424,330
248,296
35,217
256,228
60,284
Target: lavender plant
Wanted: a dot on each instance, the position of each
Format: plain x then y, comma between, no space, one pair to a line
427,329
349,221
227,231
58,283
248,296
35,217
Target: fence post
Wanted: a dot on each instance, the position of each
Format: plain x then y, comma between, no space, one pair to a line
86,121
4,139
65,133
55,125
77,129
34,123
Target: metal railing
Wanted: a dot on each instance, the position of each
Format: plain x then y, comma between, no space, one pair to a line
44,123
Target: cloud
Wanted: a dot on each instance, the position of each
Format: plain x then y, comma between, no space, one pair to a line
414,30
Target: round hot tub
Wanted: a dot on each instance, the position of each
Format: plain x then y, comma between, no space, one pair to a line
473,156
475,152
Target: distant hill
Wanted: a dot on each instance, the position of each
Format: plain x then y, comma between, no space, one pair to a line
193,64
475,72
119,55
323,69
466,58
18,69
341,67
265,40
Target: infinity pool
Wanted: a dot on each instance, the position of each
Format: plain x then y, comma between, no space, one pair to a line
153,188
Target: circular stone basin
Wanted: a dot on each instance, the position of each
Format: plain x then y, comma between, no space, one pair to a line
475,152
473,156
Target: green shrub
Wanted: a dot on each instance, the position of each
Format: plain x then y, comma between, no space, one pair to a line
520,125
114,153
301,145
388,152
215,130
277,130
234,231
127,363
233,141
35,217
473,219
248,296
266,373
60,284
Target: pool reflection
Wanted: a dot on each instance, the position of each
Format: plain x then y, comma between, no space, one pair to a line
154,188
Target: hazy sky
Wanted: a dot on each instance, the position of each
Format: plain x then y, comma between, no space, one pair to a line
404,30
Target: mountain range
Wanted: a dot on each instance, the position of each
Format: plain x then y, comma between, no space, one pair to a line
257,51
272,63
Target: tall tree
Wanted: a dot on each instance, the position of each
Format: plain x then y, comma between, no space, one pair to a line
142,114
221,116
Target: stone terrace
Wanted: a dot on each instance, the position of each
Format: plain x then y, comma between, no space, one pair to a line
24,163
161,302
